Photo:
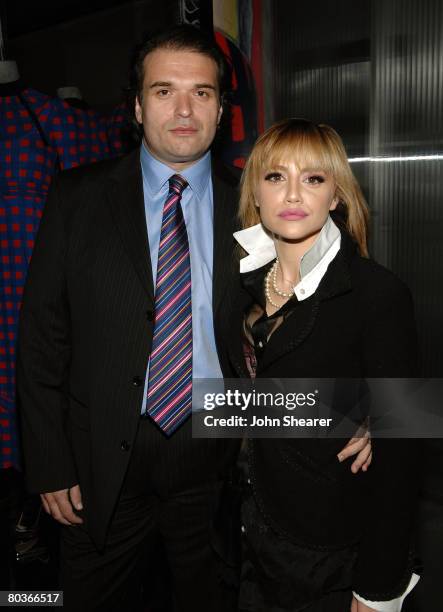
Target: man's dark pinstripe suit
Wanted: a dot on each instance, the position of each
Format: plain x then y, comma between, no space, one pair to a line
85,336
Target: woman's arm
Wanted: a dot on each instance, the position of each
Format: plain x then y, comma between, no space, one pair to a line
393,605
357,606
383,569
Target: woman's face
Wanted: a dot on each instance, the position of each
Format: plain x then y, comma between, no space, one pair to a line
294,202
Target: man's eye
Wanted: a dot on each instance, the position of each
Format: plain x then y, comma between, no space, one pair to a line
273,177
201,93
162,92
315,179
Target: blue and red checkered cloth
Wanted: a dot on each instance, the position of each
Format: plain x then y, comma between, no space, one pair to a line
27,165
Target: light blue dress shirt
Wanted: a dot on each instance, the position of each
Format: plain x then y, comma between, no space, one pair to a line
198,212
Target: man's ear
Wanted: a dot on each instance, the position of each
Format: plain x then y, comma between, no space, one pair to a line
220,113
138,111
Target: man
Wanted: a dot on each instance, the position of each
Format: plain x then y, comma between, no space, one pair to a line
116,466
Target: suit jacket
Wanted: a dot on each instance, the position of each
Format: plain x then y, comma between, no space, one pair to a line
86,329
358,324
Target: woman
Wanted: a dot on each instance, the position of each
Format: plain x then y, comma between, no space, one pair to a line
317,537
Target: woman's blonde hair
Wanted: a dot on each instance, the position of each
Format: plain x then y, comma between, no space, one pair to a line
311,146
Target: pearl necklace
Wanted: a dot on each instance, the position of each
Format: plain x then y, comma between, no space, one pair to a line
268,291
274,282
272,274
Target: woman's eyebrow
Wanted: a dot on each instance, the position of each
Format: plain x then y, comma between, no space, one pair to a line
313,169
301,170
275,167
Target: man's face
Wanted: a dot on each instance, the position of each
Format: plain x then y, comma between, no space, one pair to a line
180,106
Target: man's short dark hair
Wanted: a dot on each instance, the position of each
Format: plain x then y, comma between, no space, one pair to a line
182,38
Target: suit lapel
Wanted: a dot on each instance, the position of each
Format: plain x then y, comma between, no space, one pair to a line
125,195
225,195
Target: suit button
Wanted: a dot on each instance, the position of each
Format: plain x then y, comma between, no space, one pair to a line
137,381
150,315
124,445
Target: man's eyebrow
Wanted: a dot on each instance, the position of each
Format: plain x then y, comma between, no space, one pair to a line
195,86
205,86
160,84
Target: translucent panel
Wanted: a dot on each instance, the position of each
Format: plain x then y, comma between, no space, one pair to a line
374,71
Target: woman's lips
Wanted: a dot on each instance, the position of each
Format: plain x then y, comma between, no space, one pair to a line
292,215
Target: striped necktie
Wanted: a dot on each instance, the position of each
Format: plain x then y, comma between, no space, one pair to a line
170,366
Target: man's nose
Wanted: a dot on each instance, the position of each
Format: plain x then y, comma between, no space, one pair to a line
184,105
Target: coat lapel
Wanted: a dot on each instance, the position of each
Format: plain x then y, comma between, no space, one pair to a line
285,339
299,325
125,195
292,333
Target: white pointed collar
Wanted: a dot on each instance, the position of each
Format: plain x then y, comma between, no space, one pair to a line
259,246
314,263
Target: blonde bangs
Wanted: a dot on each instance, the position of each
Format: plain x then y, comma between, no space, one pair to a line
306,150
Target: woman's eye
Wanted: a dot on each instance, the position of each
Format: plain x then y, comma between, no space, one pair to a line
315,179
274,177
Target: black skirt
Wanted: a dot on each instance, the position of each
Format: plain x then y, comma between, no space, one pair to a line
279,575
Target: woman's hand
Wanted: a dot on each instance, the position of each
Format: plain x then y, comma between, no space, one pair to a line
357,606
362,446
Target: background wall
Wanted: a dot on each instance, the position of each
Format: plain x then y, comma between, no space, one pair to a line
406,122
373,70
92,51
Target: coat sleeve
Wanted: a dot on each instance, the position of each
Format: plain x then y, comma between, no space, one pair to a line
43,357
384,564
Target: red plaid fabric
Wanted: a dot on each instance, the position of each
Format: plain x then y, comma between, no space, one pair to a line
27,165
119,130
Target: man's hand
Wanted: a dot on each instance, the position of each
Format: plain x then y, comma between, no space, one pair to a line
59,505
362,446
357,606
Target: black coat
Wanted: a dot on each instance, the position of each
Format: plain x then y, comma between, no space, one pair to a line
86,329
359,323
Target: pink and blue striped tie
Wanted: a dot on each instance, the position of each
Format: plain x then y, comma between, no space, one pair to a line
170,366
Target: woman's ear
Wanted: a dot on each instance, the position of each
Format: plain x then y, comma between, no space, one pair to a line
334,203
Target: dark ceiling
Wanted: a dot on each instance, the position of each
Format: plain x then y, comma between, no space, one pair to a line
23,17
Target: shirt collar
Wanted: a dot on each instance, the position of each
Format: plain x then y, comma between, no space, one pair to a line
261,249
313,265
156,173
325,240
